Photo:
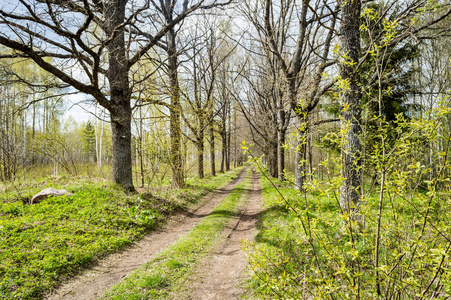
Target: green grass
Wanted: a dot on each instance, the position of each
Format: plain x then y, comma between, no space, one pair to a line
44,243
168,272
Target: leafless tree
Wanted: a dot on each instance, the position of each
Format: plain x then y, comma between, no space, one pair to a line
296,37
207,54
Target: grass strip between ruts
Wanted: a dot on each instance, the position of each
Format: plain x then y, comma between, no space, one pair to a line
166,272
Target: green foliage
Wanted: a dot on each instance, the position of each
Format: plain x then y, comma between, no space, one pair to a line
309,248
89,141
386,74
44,242
154,282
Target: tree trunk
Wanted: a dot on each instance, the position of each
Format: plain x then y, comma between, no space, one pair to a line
272,158
99,161
350,109
96,134
235,152
120,110
321,167
33,133
122,155
227,168
281,154
224,148
212,150
24,141
310,155
200,149
175,111
299,167
141,146
200,158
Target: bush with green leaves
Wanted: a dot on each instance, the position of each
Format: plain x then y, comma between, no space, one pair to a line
395,245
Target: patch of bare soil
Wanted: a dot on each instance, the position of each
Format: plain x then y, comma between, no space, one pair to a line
223,273
94,282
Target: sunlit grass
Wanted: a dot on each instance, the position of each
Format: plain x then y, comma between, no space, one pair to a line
42,244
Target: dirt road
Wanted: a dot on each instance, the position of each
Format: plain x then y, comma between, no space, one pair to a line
93,283
222,274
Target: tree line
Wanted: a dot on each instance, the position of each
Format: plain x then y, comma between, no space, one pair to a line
221,71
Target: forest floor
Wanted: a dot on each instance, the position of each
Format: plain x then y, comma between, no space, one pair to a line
219,275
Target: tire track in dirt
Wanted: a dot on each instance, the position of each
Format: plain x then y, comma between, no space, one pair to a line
222,273
94,282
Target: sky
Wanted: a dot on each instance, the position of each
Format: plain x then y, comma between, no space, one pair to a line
74,109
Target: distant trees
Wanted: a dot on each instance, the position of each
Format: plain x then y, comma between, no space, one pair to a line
225,113
260,107
431,81
205,91
10,150
168,11
32,130
89,141
198,96
25,123
295,39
